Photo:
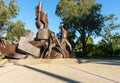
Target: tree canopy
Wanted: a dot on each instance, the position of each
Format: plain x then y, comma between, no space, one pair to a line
107,33
7,13
16,29
81,15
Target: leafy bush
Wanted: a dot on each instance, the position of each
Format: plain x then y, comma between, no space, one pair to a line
1,56
102,51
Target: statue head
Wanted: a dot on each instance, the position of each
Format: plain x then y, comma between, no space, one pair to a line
63,25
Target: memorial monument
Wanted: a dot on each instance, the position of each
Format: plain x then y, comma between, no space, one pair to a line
46,44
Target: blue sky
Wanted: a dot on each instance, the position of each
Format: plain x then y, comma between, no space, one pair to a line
110,6
27,12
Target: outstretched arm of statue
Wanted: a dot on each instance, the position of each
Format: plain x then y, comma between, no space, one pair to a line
39,11
39,15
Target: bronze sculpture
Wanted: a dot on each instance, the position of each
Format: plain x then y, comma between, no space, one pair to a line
46,37
64,35
41,17
46,44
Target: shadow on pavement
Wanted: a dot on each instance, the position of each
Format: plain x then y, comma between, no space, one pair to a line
106,62
100,61
92,74
79,61
52,75
1,66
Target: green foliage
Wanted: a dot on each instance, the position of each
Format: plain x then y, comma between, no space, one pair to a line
7,12
89,41
82,16
103,51
107,34
111,39
13,9
78,47
1,56
15,29
116,41
78,44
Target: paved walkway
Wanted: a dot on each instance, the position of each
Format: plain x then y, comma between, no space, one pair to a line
90,71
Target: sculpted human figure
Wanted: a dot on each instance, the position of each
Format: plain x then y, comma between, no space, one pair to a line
41,23
41,17
47,40
64,34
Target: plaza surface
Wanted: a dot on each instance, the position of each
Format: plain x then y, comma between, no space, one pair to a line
60,71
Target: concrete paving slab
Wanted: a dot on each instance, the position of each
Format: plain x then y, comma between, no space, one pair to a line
60,73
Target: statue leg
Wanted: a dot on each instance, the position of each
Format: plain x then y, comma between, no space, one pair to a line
68,43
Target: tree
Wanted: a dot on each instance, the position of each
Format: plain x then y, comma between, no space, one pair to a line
82,16
108,35
7,12
111,38
16,29
78,44
116,40
78,47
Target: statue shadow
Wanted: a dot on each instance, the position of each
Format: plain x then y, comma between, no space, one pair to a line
114,62
107,62
68,80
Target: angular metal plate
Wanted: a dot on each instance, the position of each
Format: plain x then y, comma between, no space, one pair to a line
24,45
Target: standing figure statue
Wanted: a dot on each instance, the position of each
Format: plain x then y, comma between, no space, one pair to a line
46,40
64,35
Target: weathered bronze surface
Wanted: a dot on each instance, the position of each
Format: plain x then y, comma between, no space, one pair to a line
8,49
43,34
46,44
25,46
41,17
64,33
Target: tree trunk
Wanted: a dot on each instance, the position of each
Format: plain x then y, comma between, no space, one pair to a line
83,41
84,47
